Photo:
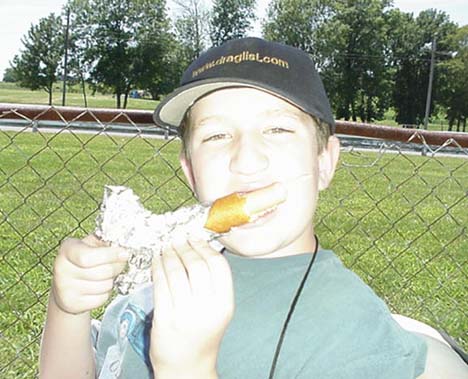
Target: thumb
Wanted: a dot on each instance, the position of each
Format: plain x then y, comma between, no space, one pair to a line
94,241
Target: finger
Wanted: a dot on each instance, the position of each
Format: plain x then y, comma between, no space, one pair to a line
198,272
205,251
95,241
85,256
101,287
176,276
162,294
102,272
219,267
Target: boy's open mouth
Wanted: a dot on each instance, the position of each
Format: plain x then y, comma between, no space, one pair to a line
259,219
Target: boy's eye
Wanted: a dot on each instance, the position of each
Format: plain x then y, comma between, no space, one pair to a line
278,130
216,137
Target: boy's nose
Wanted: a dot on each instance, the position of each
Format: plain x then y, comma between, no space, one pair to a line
248,157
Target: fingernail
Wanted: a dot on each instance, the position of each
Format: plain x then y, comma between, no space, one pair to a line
196,239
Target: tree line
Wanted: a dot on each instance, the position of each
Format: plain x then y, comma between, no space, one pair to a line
371,56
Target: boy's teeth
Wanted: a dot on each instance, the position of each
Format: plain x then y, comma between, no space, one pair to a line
263,200
257,216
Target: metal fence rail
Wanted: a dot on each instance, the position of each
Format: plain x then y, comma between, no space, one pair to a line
397,218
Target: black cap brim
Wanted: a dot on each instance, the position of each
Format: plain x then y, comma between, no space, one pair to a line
171,110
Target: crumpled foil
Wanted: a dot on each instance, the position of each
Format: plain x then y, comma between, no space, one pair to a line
124,222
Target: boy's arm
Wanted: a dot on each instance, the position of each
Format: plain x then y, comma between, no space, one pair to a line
66,347
442,361
82,280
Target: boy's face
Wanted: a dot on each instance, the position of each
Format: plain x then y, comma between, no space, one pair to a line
243,139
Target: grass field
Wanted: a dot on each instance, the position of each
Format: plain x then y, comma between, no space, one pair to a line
12,93
398,220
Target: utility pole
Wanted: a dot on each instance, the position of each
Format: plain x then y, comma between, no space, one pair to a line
429,87
65,68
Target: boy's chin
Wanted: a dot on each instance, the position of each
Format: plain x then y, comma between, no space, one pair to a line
273,239
250,246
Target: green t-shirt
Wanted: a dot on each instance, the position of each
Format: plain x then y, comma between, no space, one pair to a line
339,329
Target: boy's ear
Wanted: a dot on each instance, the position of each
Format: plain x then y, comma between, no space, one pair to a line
187,169
328,159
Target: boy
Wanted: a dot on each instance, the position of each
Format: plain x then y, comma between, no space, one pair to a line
251,113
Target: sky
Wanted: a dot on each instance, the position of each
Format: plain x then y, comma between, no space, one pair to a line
18,15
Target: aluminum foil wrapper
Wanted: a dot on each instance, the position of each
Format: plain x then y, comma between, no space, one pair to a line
123,221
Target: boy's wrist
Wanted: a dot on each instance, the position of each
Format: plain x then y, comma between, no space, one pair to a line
176,374
55,304
185,372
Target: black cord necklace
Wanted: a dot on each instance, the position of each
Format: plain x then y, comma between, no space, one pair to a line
291,310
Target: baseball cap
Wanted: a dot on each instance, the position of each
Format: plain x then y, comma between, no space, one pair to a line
279,69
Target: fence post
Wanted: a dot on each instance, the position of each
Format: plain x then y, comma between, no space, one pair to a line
429,90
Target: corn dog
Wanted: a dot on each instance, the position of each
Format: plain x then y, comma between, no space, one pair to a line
241,208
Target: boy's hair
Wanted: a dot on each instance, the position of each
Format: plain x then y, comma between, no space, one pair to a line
278,69
322,133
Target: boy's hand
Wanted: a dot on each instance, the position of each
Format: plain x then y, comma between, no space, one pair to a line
193,305
84,272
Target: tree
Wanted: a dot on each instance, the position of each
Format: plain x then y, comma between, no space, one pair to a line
157,61
347,40
298,23
38,63
357,78
406,63
191,28
411,61
127,44
113,42
231,19
80,61
454,80
158,65
9,75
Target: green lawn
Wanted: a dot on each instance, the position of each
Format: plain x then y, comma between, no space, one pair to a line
12,93
398,220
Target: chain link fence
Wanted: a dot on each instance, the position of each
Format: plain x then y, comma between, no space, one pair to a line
396,212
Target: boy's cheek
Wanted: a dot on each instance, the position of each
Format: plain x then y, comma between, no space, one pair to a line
207,194
212,182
